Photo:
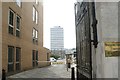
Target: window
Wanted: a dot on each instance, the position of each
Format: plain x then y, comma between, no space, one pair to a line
18,26
36,17
11,22
18,2
34,58
34,13
33,33
36,1
10,58
18,51
35,36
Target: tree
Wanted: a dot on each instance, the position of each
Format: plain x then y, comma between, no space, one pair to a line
55,56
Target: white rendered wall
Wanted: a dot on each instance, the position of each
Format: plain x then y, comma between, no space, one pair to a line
107,16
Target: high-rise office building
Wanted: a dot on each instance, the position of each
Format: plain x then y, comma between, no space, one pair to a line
57,41
57,38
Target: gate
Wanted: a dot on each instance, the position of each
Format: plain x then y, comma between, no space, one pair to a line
84,18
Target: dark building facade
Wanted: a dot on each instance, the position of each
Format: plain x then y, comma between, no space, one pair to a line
85,20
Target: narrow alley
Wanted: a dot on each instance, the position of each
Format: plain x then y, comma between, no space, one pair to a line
55,71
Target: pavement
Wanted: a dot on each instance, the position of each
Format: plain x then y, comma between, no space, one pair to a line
53,71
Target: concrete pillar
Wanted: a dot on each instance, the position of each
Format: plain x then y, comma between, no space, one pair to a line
0,39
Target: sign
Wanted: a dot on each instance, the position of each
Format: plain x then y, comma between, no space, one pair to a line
112,49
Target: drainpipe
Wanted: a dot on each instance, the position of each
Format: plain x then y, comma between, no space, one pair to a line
0,40
94,25
95,37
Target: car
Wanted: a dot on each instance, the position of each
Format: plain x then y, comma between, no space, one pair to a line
52,59
59,58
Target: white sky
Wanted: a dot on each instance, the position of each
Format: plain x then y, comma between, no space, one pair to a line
60,13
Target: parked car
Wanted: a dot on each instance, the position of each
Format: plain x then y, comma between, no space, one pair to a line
59,58
52,59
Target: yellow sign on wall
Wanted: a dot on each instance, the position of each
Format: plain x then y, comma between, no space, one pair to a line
112,49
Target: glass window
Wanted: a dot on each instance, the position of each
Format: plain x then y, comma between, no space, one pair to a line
18,51
17,33
34,32
11,30
10,67
33,13
10,54
36,1
36,17
18,2
36,58
37,55
11,21
18,22
18,26
17,66
11,17
33,58
10,58
36,35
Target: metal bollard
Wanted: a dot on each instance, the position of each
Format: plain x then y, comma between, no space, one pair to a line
3,74
72,74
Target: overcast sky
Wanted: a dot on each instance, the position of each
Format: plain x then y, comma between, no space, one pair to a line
60,13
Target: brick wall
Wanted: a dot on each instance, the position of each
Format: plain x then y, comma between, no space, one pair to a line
25,40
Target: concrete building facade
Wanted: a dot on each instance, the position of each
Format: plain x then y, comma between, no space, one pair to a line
57,38
57,41
22,35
